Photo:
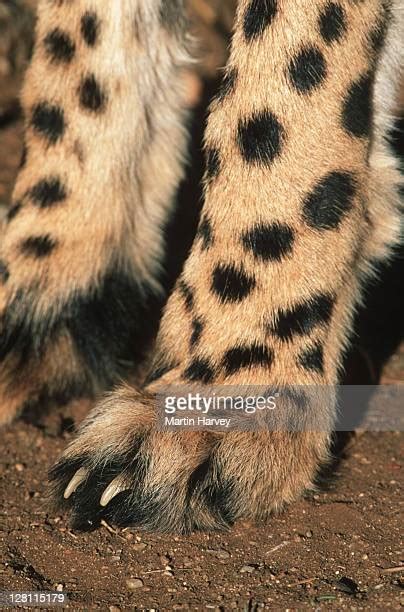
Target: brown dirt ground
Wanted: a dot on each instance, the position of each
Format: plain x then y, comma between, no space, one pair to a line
339,548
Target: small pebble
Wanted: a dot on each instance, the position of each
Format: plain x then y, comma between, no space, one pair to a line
134,583
223,554
247,569
218,553
139,546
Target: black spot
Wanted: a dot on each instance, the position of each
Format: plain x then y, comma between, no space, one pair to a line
231,284
260,138
331,199
59,46
246,357
212,163
48,192
312,359
48,120
259,15
269,242
308,69
4,272
197,329
332,22
38,246
187,294
13,211
90,27
304,317
357,110
228,83
205,232
92,97
200,370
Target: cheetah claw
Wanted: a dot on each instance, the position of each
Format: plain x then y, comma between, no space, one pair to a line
118,485
75,482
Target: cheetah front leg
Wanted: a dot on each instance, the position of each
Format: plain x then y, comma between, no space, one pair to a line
268,292
81,250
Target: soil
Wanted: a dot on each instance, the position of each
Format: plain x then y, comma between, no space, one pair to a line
334,549
339,548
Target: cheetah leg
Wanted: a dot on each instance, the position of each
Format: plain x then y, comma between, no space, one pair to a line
268,291
81,250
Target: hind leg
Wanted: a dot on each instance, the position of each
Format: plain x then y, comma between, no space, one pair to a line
268,292
81,249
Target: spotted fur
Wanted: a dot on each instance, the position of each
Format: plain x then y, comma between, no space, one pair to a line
95,137
301,200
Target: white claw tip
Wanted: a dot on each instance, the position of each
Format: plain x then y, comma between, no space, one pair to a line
75,482
113,489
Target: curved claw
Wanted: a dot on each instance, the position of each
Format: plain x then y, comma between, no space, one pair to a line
75,482
113,489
